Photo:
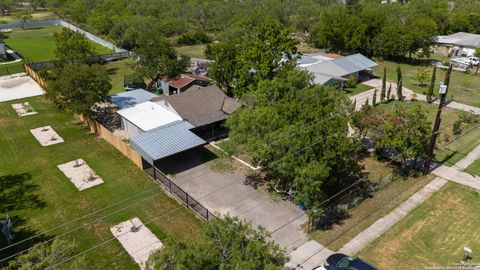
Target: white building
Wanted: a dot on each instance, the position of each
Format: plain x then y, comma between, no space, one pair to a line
458,44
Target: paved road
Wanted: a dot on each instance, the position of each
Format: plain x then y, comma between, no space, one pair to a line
407,93
382,225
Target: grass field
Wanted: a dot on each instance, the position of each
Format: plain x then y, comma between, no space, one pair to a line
369,211
39,197
193,51
116,72
433,234
456,150
38,44
474,168
37,16
463,87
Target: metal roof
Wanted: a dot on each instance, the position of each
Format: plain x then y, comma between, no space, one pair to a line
460,39
340,67
148,115
131,98
165,141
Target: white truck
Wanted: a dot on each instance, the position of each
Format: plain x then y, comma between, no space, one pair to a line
466,61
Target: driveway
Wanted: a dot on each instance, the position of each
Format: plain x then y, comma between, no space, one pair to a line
218,184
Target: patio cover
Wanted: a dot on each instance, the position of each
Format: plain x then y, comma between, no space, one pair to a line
165,141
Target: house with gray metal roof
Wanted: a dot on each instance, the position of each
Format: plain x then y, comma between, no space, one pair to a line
338,70
458,44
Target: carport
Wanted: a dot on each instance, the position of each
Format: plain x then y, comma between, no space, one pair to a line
165,141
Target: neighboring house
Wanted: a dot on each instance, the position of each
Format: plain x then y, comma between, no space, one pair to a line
181,83
332,69
458,44
131,98
145,116
206,108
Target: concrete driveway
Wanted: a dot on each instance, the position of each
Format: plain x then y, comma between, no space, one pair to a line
224,192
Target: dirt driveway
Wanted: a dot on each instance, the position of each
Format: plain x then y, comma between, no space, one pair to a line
219,183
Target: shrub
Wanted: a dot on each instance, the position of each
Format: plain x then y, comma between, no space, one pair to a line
457,127
352,82
468,118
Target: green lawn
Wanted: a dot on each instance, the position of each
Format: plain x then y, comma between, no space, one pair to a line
39,197
194,51
37,16
359,88
463,87
433,234
116,72
455,151
474,168
369,211
37,44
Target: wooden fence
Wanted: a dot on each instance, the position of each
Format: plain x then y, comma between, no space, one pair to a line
108,136
35,75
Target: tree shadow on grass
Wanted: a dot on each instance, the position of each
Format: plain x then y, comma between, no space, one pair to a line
19,233
17,192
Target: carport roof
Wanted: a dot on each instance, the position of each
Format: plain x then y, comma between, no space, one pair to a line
165,141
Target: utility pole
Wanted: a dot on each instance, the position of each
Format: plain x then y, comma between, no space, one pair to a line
438,119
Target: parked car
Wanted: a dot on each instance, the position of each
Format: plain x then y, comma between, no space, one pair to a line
339,261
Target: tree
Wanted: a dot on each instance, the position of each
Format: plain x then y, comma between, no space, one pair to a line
374,99
432,85
421,77
389,91
224,68
399,84
384,85
224,243
157,58
72,47
24,16
406,131
43,256
289,104
77,88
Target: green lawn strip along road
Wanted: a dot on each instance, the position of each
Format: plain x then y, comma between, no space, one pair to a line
433,234
43,197
369,211
458,149
463,87
474,168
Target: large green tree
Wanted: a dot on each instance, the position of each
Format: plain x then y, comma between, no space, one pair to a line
157,58
253,57
224,243
299,133
77,87
72,47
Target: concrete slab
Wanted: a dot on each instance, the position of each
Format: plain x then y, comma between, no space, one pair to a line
23,109
18,86
46,136
454,175
308,256
138,241
471,157
80,174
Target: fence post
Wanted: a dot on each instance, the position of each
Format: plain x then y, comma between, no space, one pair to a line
380,182
187,198
207,214
170,185
154,173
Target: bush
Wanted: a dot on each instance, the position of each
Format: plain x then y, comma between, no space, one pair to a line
457,127
468,118
352,82
194,38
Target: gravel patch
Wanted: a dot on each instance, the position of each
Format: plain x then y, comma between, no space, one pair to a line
80,174
46,136
24,109
137,240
